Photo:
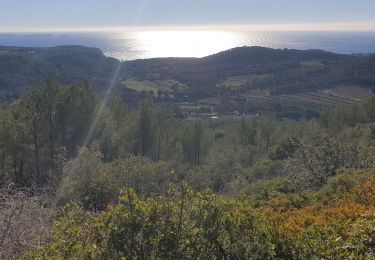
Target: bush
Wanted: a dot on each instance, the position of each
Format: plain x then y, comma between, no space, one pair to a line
95,184
182,225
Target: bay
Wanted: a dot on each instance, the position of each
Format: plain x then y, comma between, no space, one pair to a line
130,45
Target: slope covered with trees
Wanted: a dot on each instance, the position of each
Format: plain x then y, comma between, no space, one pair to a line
86,176
277,70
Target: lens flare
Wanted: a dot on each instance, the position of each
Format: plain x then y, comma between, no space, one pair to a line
99,112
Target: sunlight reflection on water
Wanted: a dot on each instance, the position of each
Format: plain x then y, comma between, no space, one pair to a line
131,45
150,44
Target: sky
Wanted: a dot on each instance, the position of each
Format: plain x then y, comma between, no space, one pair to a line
29,15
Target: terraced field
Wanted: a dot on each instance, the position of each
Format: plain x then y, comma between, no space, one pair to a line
337,97
243,80
353,92
312,64
145,85
195,107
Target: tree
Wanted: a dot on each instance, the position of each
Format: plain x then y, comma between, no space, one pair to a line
119,111
33,110
198,134
247,132
266,127
145,136
162,121
193,139
51,94
6,129
285,149
16,142
76,111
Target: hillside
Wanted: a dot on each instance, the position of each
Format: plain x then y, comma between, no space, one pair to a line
85,177
277,76
287,70
22,67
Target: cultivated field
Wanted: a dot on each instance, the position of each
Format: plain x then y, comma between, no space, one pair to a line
156,85
337,97
243,80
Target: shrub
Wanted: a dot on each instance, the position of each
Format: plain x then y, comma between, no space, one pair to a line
182,225
95,184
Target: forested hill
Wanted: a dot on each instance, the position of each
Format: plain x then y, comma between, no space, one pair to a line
281,70
22,67
277,70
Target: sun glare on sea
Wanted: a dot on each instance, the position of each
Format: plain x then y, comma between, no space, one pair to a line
184,43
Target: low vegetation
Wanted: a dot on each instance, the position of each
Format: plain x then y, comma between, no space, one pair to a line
87,177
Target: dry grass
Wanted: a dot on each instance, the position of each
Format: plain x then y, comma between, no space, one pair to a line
24,221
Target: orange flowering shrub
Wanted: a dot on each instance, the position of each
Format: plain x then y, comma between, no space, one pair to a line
346,208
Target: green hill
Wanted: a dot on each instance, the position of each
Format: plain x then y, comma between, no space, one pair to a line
235,72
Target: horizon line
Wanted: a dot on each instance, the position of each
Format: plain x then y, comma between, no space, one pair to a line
347,26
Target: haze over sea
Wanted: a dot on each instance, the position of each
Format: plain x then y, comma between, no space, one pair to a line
130,45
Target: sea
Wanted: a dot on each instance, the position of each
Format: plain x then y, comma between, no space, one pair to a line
131,45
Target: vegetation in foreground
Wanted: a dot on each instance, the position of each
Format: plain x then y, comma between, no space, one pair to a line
87,179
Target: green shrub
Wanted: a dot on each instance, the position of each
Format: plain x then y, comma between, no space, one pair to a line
182,225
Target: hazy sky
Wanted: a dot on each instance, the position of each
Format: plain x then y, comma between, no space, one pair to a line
16,14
